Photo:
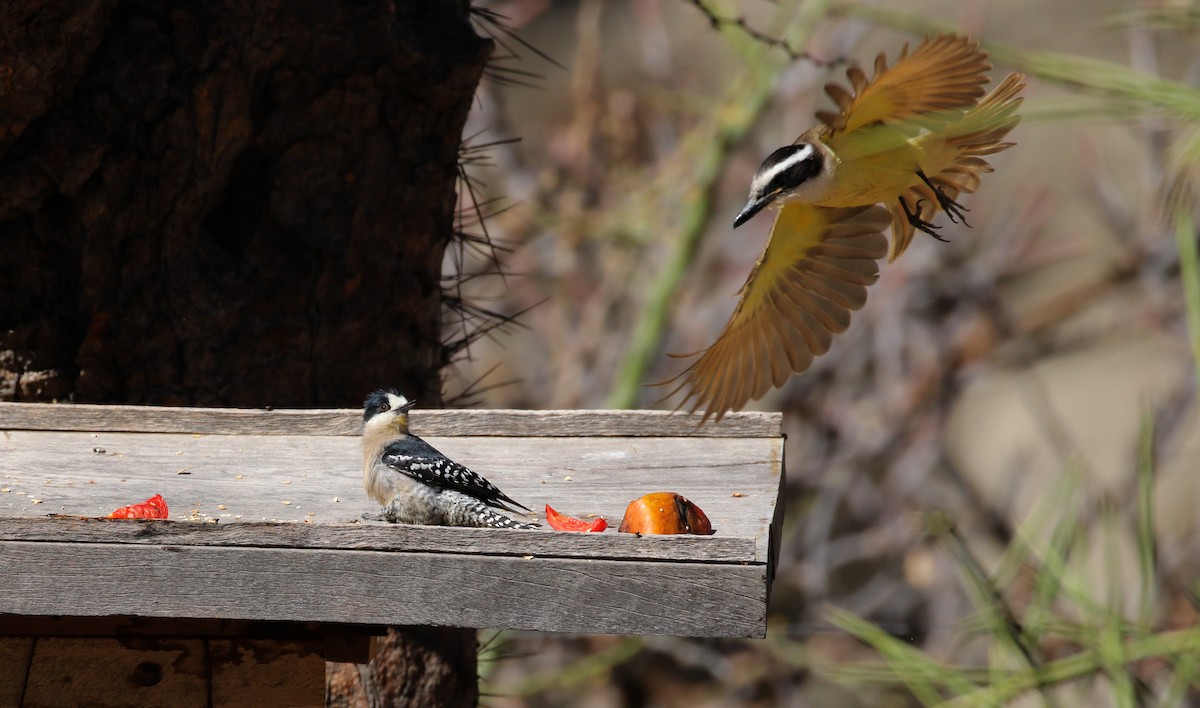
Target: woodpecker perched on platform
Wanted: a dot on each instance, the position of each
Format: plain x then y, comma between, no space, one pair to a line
417,484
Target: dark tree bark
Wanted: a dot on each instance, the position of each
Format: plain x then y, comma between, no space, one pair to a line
236,202
227,202
413,666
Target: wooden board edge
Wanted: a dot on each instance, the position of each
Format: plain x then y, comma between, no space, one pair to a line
775,529
183,628
85,417
555,595
167,671
399,538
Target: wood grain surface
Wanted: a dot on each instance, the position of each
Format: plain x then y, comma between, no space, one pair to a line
373,587
379,536
266,525
497,422
316,479
154,671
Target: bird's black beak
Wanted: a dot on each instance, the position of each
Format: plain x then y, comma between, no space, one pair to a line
752,207
407,406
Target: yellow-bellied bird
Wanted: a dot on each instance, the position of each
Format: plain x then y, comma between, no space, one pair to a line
913,137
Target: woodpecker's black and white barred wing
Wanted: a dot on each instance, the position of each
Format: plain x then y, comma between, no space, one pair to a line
418,459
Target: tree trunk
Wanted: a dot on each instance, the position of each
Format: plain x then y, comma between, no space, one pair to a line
235,202
230,202
413,666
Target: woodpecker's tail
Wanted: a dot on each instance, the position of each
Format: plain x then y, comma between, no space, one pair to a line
477,513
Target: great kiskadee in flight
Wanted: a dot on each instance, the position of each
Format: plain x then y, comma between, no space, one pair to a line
912,138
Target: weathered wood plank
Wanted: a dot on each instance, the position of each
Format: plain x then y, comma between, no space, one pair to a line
433,422
561,595
338,642
180,628
317,479
774,535
176,672
385,537
118,672
289,547
16,653
267,673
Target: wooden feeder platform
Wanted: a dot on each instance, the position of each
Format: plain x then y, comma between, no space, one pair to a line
265,549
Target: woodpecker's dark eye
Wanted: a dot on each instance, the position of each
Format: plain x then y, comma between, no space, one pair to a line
379,402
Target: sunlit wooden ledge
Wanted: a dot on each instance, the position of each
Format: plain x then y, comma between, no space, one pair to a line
265,508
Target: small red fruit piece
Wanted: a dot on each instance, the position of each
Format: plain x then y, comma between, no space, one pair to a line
664,513
562,522
153,508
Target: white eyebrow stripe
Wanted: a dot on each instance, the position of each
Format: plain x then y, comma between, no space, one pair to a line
792,160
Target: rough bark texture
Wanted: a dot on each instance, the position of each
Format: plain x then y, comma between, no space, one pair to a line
412,665
236,202
227,202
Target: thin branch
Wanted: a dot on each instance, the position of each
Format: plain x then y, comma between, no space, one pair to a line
720,22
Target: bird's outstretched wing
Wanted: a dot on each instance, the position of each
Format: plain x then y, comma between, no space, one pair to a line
942,75
418,459
813,273
954,156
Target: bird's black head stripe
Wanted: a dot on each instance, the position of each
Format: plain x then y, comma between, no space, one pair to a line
794,164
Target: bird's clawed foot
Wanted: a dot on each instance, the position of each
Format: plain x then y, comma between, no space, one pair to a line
953,209
914,218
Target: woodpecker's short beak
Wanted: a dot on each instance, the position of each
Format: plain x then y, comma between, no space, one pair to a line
752,207
407,406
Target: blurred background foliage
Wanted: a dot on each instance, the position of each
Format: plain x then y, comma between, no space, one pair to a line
994,477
